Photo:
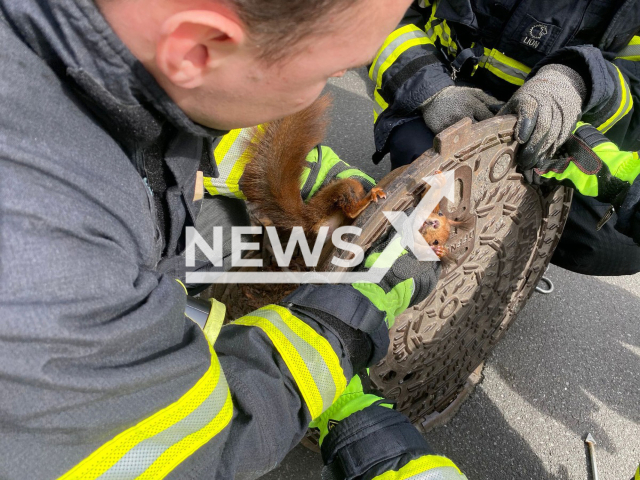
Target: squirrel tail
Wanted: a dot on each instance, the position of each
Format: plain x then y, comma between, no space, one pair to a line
271,179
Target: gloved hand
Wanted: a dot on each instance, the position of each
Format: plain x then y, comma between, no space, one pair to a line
591,164
352,400
548,107
324,167
362,436
406,283
452,104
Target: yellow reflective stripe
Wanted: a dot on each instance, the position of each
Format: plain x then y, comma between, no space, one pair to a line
425,468
397,52
312,362
632,51
210,187
626,104
504,67
390,39
231,156
320,344
179,452
451,45
441,31
217,186
182,284
154,447
233,181
225,145
214,321
379,100
430,32
380,104
416,37
637,476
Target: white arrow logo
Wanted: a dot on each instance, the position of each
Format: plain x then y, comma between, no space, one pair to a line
407,227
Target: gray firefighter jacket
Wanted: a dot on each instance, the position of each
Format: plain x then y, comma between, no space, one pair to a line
102,376
498,44
101,373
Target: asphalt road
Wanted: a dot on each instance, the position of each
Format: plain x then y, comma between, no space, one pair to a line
569,365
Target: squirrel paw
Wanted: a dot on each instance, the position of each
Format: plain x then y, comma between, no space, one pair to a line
377,193
439,250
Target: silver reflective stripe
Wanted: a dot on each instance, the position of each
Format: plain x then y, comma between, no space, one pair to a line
227,156
137,460
388,51
629,51
511,71
439,473
312,359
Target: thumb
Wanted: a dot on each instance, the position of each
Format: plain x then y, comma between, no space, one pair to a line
527,120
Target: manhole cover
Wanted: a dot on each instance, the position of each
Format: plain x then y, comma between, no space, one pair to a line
437,347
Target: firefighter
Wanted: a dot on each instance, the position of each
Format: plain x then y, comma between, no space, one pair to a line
554,63
109,110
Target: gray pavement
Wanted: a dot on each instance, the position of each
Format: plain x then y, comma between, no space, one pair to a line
569,365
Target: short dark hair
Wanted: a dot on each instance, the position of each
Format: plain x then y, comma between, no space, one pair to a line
276,25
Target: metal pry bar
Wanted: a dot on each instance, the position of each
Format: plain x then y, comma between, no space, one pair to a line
590,441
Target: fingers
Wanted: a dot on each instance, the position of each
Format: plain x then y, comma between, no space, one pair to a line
496,107
486,98
527,121
483,105
546,132
482,112
550,132
525,108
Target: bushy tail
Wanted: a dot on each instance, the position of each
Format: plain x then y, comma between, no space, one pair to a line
271,179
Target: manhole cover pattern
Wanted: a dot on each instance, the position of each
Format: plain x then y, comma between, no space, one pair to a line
437,345
515,228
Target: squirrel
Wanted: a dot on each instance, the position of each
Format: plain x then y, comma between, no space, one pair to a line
271,182
437,228
436,231
271,179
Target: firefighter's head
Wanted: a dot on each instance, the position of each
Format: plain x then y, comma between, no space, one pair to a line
238,63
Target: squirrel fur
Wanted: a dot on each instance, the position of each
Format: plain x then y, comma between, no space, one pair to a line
271,179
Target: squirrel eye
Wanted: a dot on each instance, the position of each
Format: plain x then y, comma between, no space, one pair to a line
441,214
436,242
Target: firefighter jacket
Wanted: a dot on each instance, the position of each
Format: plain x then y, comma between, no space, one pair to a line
101,374
496,45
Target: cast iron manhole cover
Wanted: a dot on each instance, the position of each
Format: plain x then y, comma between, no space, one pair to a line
437,348
437,345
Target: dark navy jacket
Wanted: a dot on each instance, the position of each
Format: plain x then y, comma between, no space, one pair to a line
506,42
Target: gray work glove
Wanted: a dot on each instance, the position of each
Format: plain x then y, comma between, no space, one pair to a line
452,104
548,107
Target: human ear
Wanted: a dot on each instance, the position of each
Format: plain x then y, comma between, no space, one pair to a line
193,42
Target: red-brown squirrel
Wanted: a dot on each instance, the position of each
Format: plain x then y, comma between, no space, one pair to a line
436,231
271,181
